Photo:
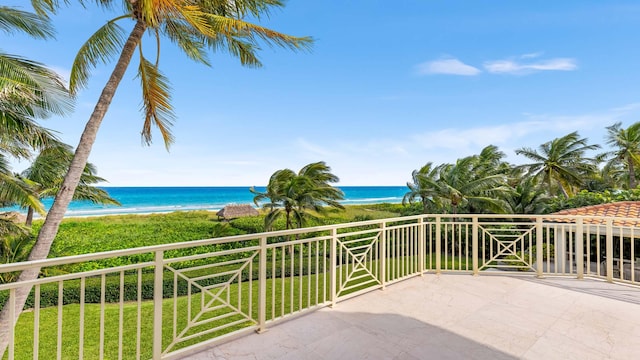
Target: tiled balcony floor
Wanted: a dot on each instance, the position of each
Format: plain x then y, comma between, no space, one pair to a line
460,317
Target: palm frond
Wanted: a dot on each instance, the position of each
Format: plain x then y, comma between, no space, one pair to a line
243,29
50,165
241,8
13,20
19,135
45,7
17,191
198,19
94,195
245,51
188,40
271,218
101,47
29,88
156,102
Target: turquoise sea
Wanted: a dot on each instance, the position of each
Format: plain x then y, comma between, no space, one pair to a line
138,200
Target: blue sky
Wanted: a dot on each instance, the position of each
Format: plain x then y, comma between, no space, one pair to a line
387,87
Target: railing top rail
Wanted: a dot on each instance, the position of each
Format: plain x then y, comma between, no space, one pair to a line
223,240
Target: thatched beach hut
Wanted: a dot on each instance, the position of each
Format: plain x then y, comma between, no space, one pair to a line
14,216
237,211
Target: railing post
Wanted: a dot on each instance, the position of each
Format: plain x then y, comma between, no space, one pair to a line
609,249
12,323
157,304
333,268
438,245
421,245
474,244
539,247
383,255
262,286
579,249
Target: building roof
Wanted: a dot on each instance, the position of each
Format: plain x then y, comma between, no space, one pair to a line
237,210
626,211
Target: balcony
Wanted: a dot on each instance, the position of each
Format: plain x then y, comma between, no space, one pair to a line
459,317
549,284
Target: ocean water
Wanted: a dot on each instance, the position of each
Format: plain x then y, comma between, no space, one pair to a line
139,200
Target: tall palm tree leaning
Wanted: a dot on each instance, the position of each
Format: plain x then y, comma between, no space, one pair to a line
562,162
627,148
194,26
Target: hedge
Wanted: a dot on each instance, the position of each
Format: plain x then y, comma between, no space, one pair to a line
71,290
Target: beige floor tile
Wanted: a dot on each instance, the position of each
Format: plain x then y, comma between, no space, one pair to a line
459,317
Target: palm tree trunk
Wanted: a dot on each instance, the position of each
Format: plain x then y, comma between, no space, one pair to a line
63,198
632,174
29,219
288,224
565,193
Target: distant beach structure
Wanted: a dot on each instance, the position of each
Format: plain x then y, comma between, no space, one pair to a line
236,211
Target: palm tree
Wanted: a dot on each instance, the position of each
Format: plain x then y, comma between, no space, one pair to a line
14,247
611,177
626,143
294,194
489,162
47,172
561,162
423,187
281,194
15,190
195,27
28,91
459,186
528,197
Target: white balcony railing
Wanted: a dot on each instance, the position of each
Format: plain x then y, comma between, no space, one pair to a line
170,300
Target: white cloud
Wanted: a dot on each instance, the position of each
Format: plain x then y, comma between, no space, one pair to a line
447,67
531,55
531,132
456,139
511,66
518,65
627,108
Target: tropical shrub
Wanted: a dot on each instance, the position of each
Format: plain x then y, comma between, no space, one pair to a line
587,198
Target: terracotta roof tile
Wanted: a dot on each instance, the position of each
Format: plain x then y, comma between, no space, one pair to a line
628,211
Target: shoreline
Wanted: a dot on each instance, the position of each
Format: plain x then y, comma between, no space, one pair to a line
211,210
165,200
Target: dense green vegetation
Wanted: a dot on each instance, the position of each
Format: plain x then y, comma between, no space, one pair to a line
562,173
96,234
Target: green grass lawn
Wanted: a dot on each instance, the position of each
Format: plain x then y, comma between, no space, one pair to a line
290,296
